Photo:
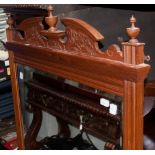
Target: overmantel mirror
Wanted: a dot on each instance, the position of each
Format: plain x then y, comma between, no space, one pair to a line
99,92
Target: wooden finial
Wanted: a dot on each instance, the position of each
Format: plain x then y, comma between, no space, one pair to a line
133,31
50,10
51,20
10,21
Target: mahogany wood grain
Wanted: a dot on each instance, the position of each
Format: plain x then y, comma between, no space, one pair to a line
133,116
79,58
133,100
80,68
133,106
15,91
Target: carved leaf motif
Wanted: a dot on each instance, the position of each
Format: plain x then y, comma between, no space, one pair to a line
79,42
55,44
80,39
33,36
31,32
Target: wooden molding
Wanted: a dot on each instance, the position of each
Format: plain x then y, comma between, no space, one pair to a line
75,55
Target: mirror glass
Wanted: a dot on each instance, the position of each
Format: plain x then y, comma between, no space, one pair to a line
67,109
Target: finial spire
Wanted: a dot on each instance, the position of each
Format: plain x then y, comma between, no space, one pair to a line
133,31
51,20
50,10
132,21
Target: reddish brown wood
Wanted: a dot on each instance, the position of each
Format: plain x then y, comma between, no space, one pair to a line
15,89
133,31
79,58
76,32
51,20
67,65
133,116
133,94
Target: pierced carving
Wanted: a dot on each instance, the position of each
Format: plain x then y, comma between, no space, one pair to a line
81,38
31,29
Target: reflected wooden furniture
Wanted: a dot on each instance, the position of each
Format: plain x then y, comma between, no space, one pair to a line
74,54
70,105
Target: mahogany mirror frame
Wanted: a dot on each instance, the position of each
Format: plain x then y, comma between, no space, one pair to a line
120,71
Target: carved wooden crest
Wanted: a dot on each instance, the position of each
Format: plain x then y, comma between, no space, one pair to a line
78,38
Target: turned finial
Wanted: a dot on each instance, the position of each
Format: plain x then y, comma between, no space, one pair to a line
10,21
51,20
133,31
50,10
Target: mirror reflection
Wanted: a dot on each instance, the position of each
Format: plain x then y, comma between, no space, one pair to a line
63,114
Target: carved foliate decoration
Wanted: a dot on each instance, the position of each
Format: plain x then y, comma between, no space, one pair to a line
78,38
84,45
28,32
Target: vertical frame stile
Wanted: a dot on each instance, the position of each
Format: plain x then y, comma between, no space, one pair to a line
133,93
15,88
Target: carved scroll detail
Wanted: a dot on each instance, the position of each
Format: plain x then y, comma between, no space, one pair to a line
81,38
28,32
113,52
